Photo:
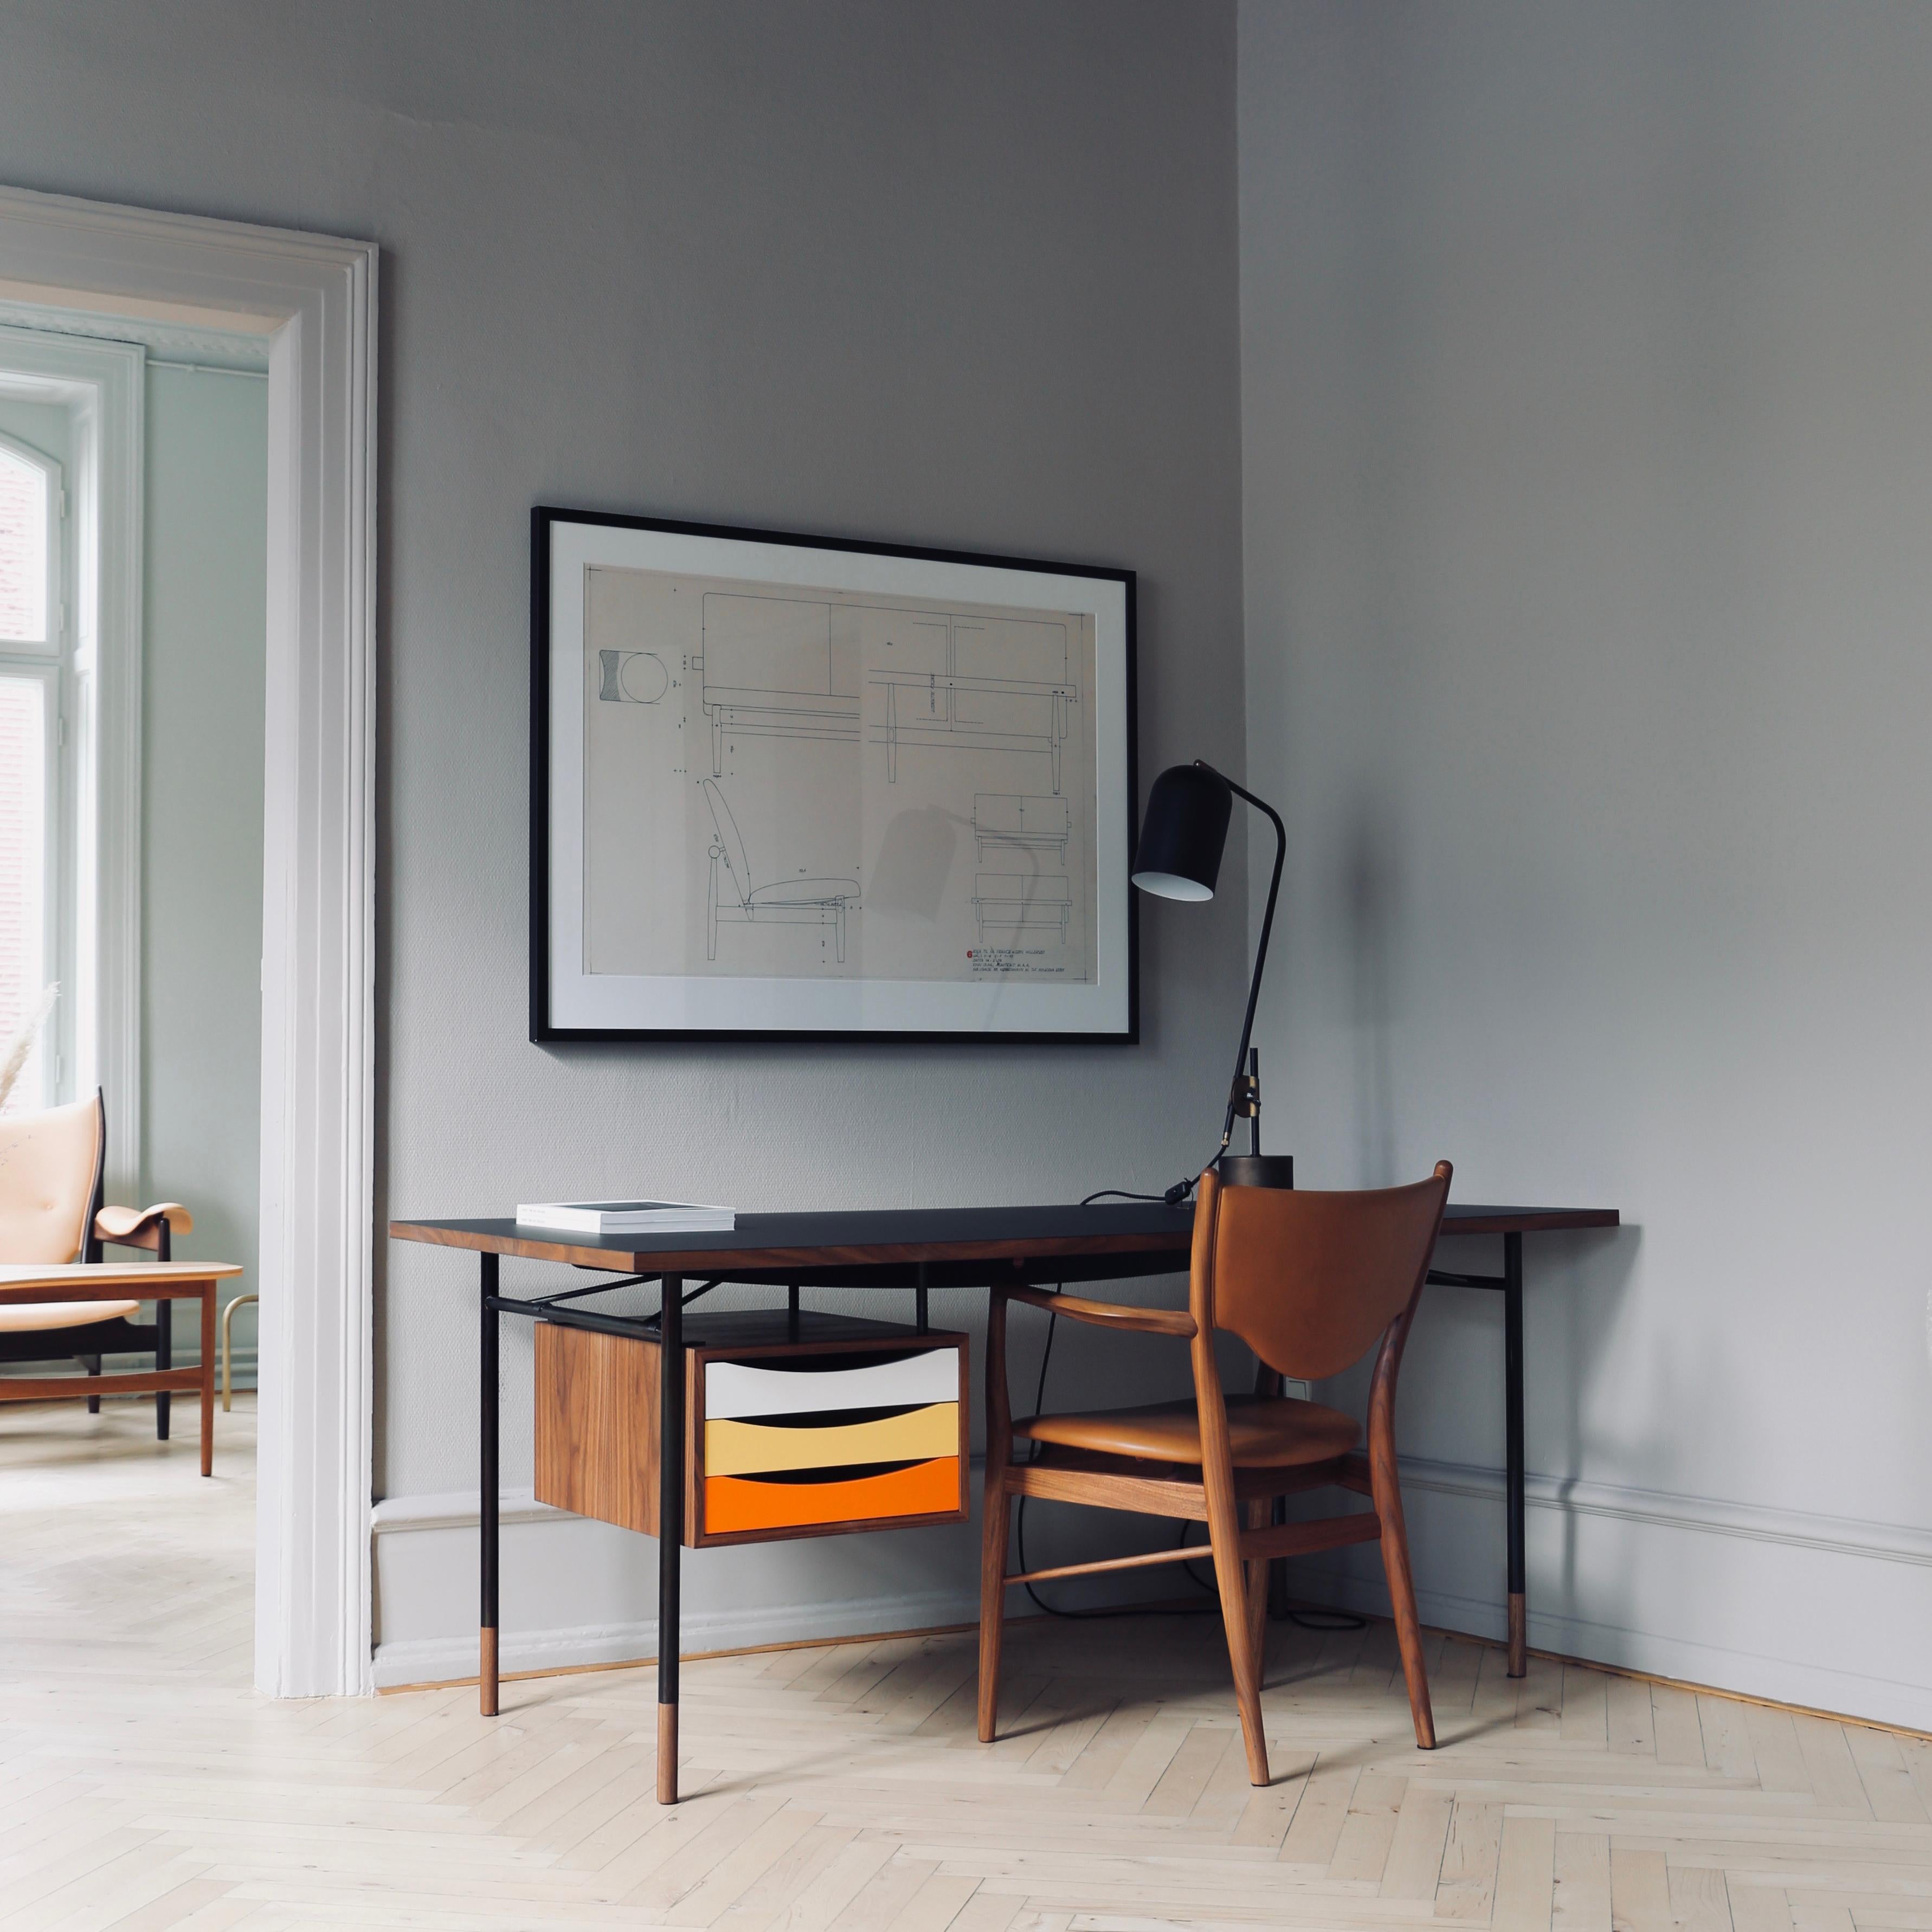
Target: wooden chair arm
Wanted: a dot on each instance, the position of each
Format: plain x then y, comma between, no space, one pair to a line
1176,1321
140,1227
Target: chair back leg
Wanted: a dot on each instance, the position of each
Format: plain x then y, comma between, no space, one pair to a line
992,1599
92,1363
1224,1536
1256,1514
993,1518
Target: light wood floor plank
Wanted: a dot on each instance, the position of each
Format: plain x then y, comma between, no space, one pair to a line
1525,1875
1415,1867
1581,1894
1639,1891
1468,1890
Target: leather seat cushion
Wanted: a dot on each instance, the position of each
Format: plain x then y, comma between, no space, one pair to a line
1268,1431
28,1317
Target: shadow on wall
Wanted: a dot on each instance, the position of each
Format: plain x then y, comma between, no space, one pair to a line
1369,887
1592,1274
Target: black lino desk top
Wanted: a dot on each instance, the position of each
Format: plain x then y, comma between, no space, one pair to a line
1105,1242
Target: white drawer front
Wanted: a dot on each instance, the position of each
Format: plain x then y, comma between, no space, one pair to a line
733,1389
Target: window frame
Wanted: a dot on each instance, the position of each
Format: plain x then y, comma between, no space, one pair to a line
96,1027
48,661
53,481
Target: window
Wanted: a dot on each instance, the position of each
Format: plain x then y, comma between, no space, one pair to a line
33,663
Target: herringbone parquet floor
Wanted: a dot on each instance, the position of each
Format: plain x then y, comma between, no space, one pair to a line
143,1786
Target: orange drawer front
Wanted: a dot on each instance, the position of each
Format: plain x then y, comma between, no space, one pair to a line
736,1503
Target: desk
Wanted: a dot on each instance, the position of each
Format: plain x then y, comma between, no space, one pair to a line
918,1250
136,1281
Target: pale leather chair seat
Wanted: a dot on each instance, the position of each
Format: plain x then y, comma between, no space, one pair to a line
1269,1432
24,1317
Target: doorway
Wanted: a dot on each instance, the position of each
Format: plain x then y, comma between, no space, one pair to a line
312,301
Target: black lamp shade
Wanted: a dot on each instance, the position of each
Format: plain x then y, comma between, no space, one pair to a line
1183,833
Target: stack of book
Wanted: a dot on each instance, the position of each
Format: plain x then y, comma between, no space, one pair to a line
624,1217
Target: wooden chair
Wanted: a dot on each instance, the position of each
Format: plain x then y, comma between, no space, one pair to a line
1309,1281
51,1212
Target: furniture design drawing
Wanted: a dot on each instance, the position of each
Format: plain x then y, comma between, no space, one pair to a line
731,898
847,710
1309,1281
918,1248
999,684
768,670
630,677
60,1299
1002,822
1022,902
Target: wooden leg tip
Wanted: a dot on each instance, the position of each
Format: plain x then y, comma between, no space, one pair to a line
1518,1633
486,1675
666,1754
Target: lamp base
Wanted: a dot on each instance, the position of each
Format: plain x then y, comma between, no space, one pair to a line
1256,1170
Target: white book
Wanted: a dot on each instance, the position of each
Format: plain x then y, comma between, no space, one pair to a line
625,1217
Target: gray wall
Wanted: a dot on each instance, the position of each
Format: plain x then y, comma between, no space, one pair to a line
205,603
1587,460
961,274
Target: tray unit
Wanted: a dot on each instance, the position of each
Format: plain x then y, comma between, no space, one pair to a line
807,1426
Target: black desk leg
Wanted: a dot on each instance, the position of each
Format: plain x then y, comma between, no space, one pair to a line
164,1359
1518,1599
671,1525
486,1660
164,1345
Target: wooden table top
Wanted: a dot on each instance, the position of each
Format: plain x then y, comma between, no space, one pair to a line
81,1281
902,1237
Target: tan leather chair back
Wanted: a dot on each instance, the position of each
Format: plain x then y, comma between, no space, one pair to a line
1310,1281
49,1170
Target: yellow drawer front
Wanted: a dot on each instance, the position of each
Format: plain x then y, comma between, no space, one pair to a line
754,1448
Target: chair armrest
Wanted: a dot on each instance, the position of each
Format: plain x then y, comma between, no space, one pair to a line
140,1227
1175,1321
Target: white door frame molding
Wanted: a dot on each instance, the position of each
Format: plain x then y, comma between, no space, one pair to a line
314,298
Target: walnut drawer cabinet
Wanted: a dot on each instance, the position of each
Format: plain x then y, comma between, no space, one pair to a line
812,1425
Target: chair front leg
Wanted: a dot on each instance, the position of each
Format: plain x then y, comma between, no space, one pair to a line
1385,1487
993,1526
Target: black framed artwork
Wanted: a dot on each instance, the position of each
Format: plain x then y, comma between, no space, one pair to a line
795,787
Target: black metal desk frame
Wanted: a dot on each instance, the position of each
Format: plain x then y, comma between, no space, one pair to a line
917,1250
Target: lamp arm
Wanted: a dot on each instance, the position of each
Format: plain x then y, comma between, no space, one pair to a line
1237,1090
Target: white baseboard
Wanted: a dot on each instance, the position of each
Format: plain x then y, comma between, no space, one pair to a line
1779,1680
1852,1536
1736,1596
441,1660
577,1592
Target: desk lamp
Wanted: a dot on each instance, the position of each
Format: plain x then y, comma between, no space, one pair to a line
1182,838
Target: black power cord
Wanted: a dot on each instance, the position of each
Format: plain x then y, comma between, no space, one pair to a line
1172,1198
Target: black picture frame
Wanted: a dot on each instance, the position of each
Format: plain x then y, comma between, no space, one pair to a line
544,1027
